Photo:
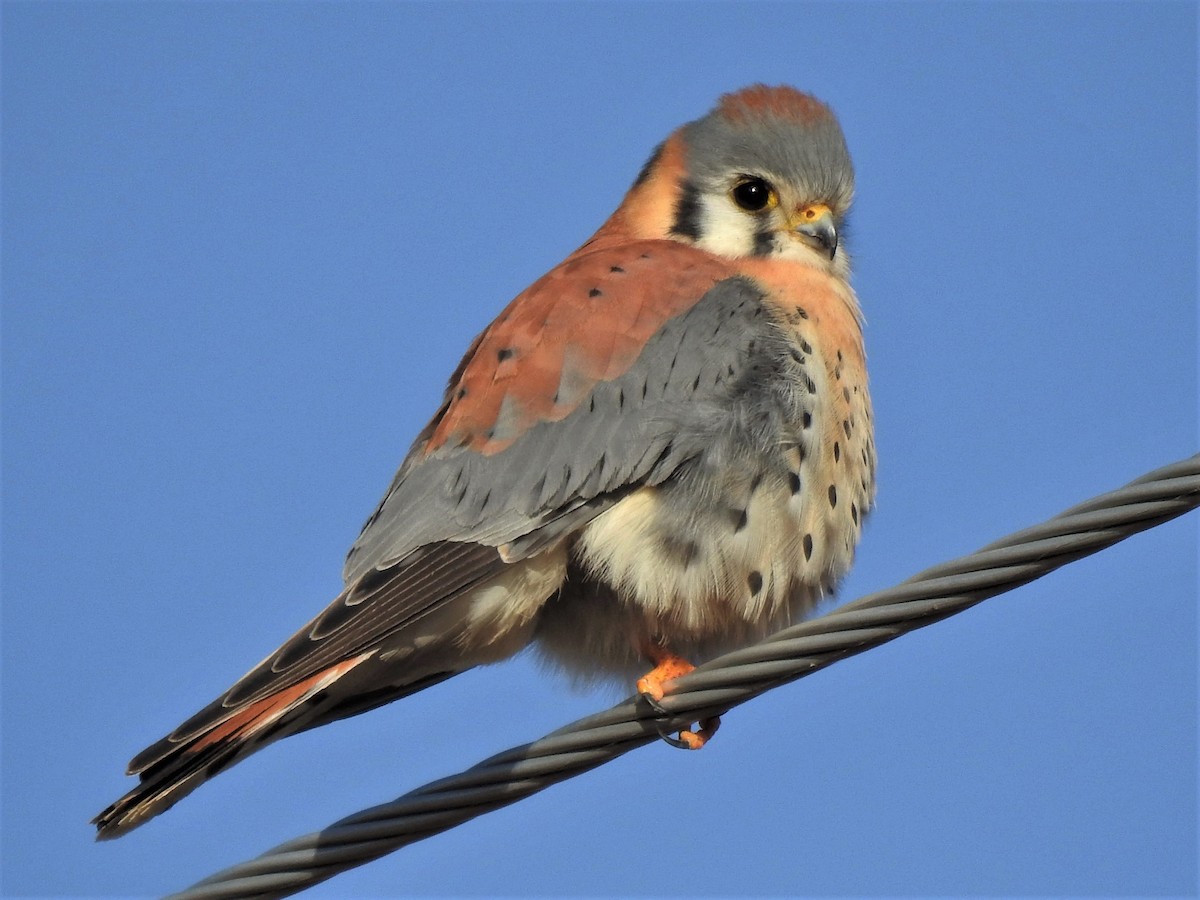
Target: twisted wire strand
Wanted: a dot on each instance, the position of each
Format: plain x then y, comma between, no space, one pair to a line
714,688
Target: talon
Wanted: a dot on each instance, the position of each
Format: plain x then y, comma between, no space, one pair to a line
692,740
679,743
652,701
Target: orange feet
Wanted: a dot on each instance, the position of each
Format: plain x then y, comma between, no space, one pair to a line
650,686
694,740
668,666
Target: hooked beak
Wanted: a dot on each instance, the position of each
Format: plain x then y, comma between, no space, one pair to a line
815,226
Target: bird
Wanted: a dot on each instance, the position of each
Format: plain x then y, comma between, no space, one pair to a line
661,450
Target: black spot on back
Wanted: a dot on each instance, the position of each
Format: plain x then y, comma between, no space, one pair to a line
755,582
808,546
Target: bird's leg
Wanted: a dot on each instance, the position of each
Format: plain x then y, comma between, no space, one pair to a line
666,667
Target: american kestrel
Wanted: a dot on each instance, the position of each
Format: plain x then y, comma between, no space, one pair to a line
659,451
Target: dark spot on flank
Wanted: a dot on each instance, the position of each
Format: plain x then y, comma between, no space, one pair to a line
796,355
808,546
505,353
743,518
755,482
833,496
839,356
595,292
616,269
806,420
755,582
810,385
846,426
854,512
846,394
802,312
462,392
794,482
837,452
683,552
805,346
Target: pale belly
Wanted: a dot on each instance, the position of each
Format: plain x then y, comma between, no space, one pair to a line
746,542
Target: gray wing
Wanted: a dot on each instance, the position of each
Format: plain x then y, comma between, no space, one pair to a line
634,430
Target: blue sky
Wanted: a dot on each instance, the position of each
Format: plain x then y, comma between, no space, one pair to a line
245,244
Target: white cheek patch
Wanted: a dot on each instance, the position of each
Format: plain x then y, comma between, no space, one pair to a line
724,229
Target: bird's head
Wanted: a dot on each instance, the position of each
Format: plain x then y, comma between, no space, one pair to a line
766,173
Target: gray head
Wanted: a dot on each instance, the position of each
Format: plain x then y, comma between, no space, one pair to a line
766,173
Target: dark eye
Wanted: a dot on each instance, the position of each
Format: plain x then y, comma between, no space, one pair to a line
753,194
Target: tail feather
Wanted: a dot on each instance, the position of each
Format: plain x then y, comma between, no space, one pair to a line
180,766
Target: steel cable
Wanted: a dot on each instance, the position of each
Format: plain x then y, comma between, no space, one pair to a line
714,688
